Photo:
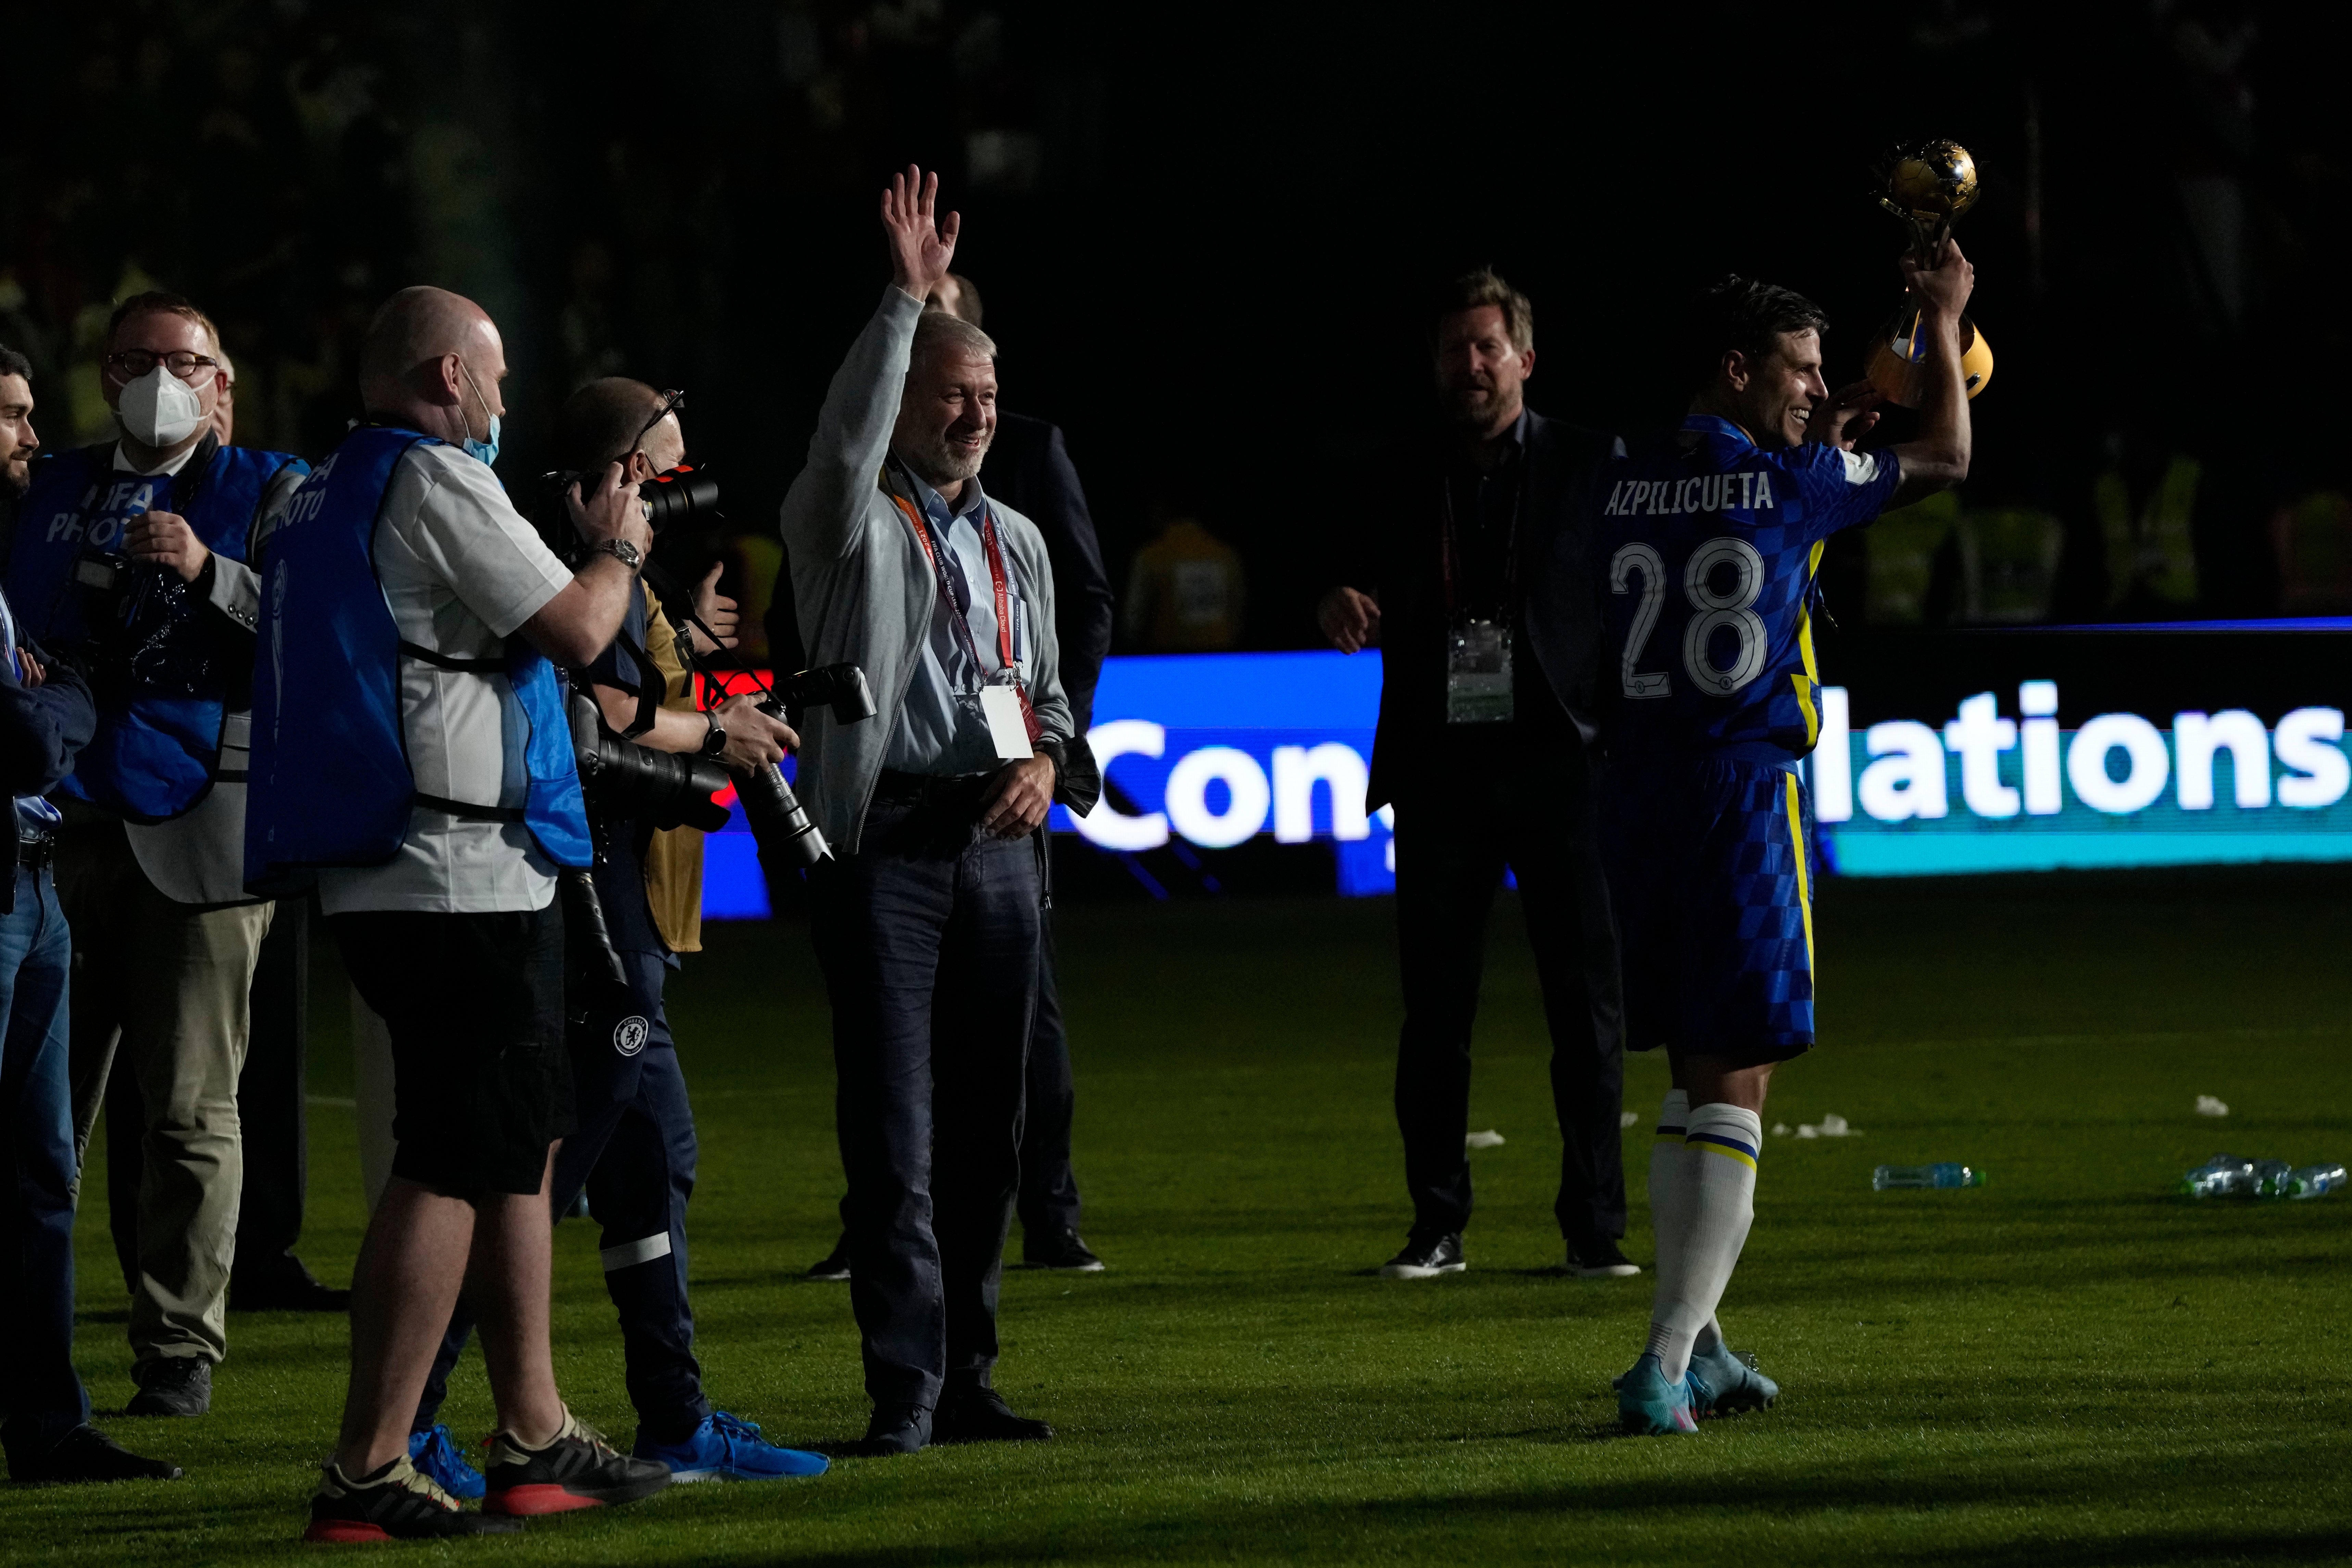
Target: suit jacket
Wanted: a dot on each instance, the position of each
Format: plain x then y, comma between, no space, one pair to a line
1401,563
41,730
1029,469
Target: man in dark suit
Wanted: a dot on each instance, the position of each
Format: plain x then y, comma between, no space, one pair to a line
1028,468
1477,586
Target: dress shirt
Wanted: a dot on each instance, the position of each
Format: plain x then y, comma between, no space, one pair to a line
941,730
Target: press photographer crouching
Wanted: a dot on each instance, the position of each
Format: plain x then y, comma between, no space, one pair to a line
633,1147
413,757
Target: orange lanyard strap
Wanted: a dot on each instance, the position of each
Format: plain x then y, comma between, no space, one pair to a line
1000,592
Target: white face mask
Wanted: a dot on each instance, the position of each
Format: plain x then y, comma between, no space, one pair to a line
159,409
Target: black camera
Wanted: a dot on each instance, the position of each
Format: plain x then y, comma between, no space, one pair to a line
777,818
143,635
683,500
626,782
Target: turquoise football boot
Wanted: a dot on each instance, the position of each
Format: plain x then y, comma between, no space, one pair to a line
1650,1405
1724,1383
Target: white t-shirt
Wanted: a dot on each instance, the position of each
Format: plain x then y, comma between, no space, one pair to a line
462,570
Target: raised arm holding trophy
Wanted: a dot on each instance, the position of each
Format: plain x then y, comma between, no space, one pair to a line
1928,185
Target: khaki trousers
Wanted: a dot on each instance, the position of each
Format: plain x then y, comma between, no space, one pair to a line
166,988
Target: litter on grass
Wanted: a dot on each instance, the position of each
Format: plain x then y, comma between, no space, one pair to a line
2207,1105
1830,1126
1627,1117
2235,1176
1490,1139
1780,1129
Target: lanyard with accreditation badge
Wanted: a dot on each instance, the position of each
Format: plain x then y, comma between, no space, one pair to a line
1012,722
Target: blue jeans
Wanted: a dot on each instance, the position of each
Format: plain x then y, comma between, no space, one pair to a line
38,1391
929,939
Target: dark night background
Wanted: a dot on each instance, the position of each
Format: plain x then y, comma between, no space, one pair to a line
1204,234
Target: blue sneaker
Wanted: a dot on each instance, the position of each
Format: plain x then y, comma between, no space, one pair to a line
1724,1383
1648,1405
440,1461
724,1448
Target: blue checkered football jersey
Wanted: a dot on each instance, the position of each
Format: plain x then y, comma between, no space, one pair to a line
1712,544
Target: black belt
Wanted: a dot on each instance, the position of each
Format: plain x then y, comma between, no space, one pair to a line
930,789
35,853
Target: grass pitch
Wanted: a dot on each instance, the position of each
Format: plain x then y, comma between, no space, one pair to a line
2067,1366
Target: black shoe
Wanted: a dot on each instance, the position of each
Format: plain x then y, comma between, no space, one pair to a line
1603,1259
87,1454
980,1416
1426,1259
283,1285
1060,1249
395,1503
835,1265
577,1469
896,1429
175,1385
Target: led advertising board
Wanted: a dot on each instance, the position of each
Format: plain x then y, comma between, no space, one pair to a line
1939,756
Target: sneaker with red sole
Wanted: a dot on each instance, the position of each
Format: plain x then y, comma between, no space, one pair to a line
577,1469
395,1503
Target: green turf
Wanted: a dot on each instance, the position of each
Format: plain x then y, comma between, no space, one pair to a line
2067,1366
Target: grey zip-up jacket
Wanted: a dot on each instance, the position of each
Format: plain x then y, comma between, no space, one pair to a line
863,588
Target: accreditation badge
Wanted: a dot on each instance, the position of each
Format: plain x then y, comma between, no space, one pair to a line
1478,673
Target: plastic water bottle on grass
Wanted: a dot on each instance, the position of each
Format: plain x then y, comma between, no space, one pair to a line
1887,1178
2222,1176
2312,1181
2271,1178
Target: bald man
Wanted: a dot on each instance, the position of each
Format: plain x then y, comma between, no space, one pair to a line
412,761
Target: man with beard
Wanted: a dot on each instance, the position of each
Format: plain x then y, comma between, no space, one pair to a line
927,923
1479,590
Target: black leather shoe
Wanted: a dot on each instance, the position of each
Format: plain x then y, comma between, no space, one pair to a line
896,1429
1060,1249
284,1284
980,1416
87,1454
176,1385
1426,1259
835,1265
1603,1259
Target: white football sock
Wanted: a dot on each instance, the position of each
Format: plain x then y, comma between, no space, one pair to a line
1670,1198
1717,1175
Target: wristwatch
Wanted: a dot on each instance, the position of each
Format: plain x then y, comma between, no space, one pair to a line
622,550
715,742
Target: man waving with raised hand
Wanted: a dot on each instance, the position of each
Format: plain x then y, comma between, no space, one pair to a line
928,924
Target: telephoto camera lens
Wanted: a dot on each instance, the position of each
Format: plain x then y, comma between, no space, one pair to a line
777,819
678,496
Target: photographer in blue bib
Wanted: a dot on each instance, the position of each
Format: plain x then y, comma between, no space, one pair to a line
130,559
413,760
634,1150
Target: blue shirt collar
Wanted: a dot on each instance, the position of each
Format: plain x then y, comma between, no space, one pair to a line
935,506
1713,424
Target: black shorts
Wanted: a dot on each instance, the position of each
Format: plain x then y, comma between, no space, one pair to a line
481,1082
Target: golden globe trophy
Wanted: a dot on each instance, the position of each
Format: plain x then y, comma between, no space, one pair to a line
1928,185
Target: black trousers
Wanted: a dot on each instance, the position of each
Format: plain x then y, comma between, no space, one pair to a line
1048,1202
634,1154
928,937
1531,808
272,1106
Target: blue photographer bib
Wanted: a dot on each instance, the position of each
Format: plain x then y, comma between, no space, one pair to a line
330,780
165,673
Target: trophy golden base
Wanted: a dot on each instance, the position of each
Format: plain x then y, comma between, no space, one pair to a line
1894,368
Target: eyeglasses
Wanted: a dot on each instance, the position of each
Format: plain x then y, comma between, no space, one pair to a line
671,402
133,363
